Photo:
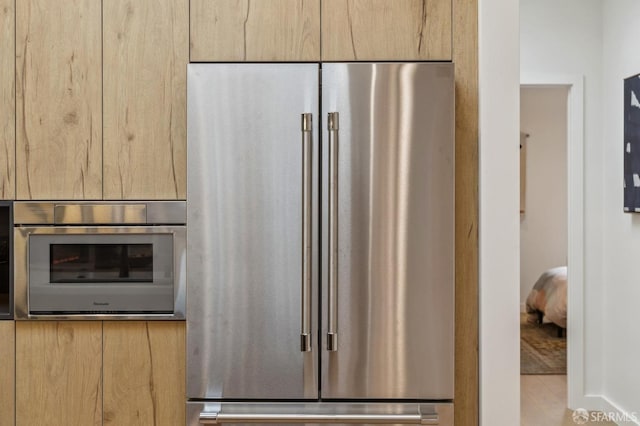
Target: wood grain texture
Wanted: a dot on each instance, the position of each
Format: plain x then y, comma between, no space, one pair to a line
465,57
58,99
7,373
146,51
7,101
144,373
255,30
58,373
369,30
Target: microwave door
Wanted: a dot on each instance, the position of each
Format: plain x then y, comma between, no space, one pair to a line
245,310
388,204
101,270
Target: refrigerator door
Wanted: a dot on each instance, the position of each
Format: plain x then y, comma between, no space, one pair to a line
388,231
248,302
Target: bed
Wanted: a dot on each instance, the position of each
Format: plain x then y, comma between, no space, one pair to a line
548,297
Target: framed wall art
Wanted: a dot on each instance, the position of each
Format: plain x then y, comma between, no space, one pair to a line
631,154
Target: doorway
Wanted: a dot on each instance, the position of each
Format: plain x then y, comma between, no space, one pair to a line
543,254
573,84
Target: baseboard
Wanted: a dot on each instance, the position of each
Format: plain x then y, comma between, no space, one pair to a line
602,409
620,416
588,402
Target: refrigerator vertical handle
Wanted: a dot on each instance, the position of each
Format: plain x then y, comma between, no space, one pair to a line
307,141
332,325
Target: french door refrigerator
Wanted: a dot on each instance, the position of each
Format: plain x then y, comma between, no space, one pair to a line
320,243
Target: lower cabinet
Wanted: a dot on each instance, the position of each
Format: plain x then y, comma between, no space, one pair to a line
94,373
58,373
144,373
7,373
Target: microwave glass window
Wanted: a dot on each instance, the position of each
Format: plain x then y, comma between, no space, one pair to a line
101,263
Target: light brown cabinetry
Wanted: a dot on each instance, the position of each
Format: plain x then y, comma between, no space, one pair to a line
95,373
371,30
7,100
7,373
290,30
255,30
144,373
465,57
58,373
63,42
146,51
58,99
73,57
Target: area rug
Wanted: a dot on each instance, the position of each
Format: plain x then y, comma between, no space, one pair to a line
541,350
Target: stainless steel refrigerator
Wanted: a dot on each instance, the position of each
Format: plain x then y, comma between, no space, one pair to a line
320,243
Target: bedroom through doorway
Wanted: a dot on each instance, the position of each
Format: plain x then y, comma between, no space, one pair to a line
543,255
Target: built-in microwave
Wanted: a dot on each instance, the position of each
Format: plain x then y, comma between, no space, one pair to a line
100,259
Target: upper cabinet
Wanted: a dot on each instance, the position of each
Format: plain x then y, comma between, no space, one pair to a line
58,99
375,30
146,51
255,30
7,100
100,99
295,30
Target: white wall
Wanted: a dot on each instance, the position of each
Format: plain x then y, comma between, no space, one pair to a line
499,227
599,38
561,38
621,231
543,225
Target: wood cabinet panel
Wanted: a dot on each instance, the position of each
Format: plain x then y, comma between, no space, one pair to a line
144,373
466,295
255,30
58,373
7,101
7,373
369,30
146,50
58,99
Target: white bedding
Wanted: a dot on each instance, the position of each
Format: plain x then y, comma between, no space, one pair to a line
549,296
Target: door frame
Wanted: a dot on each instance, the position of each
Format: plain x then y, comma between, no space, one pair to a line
576,396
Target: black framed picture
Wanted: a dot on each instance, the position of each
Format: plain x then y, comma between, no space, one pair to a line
632,144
